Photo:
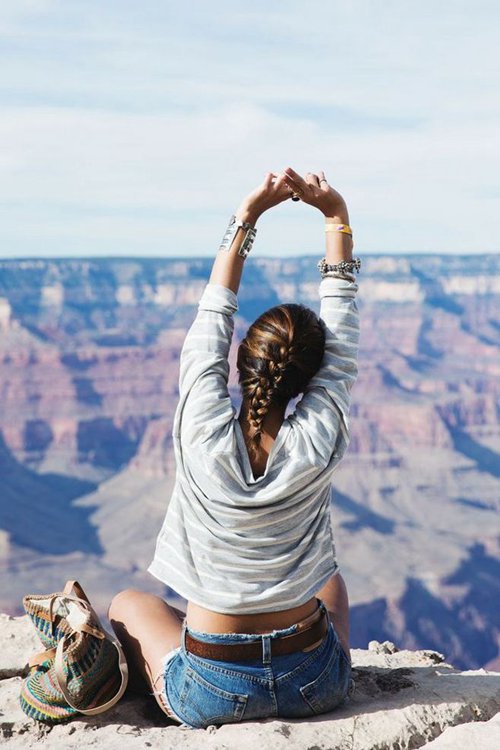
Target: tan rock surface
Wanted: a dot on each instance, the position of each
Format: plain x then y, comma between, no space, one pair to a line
19,640
403,699
483,735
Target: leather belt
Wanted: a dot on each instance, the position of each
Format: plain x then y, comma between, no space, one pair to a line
241,651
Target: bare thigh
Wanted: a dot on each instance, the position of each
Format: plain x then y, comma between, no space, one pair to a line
148,628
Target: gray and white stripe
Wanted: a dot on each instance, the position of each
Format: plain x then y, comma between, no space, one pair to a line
230,542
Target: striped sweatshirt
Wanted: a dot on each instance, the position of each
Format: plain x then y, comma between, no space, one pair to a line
232,543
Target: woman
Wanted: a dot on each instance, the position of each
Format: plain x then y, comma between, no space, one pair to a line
247,539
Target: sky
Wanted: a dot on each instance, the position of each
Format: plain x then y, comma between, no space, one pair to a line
135,128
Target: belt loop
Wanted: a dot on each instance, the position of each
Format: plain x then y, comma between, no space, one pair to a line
322,606
266,649
183,636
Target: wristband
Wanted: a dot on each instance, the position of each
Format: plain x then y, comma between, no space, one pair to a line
344,228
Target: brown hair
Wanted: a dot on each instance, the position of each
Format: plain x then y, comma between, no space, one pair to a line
279,354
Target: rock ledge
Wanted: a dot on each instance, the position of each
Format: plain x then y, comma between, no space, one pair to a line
403,699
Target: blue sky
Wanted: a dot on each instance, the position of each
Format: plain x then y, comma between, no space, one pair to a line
134,128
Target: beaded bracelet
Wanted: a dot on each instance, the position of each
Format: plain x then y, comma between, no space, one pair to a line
345,266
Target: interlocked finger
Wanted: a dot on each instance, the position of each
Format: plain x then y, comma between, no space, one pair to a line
281,188
295,184
296,192
323,182
312,179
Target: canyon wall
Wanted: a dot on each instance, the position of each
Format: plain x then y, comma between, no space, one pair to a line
89,352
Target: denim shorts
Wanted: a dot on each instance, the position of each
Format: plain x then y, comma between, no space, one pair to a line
200,692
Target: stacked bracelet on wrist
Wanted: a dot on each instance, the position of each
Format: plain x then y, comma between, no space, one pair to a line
340,269
230,234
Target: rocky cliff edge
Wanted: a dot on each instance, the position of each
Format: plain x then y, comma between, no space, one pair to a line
403,699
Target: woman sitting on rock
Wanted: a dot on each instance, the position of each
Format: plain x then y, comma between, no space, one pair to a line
247,538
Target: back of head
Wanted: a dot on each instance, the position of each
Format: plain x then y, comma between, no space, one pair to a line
278,356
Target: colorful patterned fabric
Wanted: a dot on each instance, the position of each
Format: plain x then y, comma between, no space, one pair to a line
89,660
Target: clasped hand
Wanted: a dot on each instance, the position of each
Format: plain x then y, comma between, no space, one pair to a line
276,188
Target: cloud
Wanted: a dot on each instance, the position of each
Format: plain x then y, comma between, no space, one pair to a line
125,128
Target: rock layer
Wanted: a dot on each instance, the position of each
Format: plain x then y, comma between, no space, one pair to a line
89,355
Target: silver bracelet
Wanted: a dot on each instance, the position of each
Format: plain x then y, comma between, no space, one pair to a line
334,275
345,266
230,234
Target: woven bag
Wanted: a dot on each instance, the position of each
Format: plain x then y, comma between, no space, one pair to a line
83,669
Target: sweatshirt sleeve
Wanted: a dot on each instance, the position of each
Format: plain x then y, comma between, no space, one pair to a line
321,417
204,402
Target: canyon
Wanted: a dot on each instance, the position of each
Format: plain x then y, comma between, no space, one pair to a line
89,352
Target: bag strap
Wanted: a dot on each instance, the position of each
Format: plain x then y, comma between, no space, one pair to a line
73,589
62,678
74,592
41,656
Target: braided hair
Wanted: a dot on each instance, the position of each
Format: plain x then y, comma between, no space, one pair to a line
279,354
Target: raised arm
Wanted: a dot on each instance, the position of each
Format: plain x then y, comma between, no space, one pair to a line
316,191
204,403
205,407
321,416
228,265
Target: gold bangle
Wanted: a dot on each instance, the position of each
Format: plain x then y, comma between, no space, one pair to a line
344,228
